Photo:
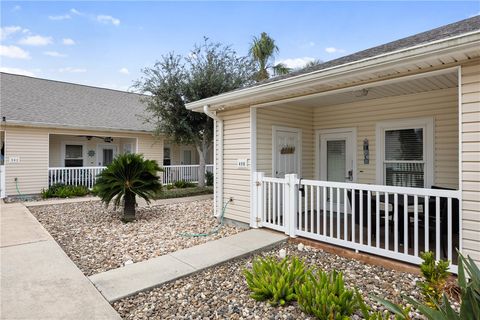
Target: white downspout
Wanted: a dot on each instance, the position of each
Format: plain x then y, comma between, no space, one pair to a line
218,160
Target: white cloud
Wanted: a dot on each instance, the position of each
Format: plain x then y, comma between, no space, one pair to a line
5,32
72,70
17,71
36,41
296,63
124,71
13,52
54,54
75,11
108,19
334,50
68,41
60,17
16,8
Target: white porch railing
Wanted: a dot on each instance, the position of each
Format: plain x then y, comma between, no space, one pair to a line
77,176
393,222
86,176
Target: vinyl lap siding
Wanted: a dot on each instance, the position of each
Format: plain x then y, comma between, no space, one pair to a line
442,105
471,160
283,116
236,182
151,147
30,145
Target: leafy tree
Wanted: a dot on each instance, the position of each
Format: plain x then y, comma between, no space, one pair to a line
263,50
129,175
313,63
210,69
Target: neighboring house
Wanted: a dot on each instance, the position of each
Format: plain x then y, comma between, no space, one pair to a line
53,131
381,128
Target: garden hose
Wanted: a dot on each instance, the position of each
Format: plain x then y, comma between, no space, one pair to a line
20,195
213,231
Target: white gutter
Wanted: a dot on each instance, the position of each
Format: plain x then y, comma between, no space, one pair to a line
218,165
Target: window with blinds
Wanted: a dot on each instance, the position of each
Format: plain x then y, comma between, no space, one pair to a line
404,160
73,155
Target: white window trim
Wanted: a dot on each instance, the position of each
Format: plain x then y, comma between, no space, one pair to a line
428,125
274,147
167,146
63,151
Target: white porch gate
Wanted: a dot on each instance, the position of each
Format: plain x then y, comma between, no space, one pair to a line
394,222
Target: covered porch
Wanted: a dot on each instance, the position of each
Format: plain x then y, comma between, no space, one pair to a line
78,159
374,167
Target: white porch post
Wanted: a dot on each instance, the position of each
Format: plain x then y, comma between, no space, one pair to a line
257,200
290,204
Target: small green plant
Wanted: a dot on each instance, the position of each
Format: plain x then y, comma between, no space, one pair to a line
435,274
209,177
469,283
181,184
325,296
368,314
274,280
64,191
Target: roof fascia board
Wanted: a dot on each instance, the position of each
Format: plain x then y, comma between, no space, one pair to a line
464,41
66,126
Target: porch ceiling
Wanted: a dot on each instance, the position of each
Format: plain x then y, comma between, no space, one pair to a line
376,91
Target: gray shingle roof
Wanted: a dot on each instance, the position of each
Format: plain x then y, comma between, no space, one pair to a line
443,32
42,101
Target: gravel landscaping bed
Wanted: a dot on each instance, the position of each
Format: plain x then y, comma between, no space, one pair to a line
221,292
96,240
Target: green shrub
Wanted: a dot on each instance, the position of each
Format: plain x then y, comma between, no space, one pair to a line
181,184
435,276
64,191
325,296
129,176
368,314
274,280
469,293
209,177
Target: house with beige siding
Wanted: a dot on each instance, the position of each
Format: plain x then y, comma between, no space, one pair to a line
57,132
377,151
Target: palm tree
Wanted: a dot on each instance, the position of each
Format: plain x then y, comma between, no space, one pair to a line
263,51
128,176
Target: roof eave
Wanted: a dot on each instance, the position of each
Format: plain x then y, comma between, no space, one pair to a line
71,127
240,97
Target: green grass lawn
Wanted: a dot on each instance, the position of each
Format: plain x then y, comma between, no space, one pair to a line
183,192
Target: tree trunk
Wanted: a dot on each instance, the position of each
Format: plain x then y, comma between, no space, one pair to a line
129,207
201,167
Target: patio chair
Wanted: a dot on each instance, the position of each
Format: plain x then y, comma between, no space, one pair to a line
432,211
373,210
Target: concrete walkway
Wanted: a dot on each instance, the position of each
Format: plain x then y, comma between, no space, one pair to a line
126,281
38,280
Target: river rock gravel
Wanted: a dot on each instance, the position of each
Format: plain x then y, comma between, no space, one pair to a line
96,240
221,292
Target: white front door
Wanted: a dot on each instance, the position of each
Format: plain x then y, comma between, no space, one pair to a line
337,149
286,151
106,154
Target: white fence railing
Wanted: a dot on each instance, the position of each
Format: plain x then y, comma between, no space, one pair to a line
86,176
187,173
77,176
393,222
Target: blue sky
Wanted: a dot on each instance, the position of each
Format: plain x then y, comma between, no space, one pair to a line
107,43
